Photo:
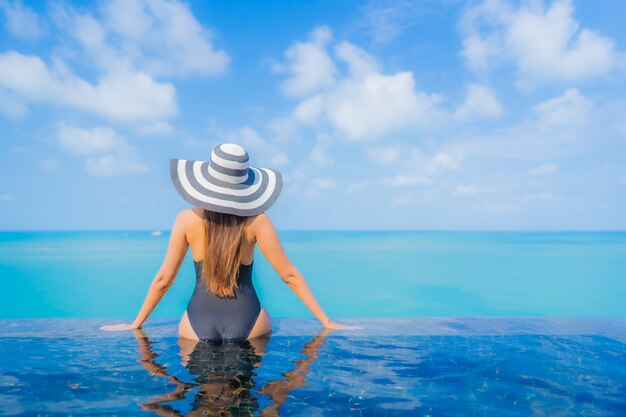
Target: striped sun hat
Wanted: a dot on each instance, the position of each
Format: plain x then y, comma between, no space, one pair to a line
225,183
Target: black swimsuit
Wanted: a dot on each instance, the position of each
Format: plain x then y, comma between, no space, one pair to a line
216,318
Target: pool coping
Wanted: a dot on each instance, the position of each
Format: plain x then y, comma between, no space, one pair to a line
611,327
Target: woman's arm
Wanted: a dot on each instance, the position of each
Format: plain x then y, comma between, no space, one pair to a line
164,278
166,275
272,249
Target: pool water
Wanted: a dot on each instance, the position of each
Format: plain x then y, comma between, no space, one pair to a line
391,367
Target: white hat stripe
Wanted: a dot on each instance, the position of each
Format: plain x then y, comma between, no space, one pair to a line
220,202
268,190
225,177
228,164
197,171
231,152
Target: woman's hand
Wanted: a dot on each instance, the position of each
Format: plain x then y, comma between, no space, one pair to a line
122,326
336,326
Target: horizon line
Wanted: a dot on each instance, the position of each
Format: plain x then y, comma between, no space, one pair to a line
328,230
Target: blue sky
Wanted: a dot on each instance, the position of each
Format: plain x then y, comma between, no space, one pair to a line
380,115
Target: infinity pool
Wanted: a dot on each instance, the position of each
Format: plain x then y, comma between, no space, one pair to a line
392,367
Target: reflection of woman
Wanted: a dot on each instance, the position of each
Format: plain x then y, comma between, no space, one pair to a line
224,373
222,230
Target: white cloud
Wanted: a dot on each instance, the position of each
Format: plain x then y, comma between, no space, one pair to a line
325,183
547,169
308,111
386,20
310,193
21,21
443,161
129,44
293,181
123,96
402,180
411,167
570,110
112,165
378,104
361,104
158,128
480,103
554,129
308,64
160,37
396,181
504,198
476,53
545,44
385,155
410,157
359,62
107,153
469,190
248,138
519,141
279,159
81,141
283,129
466,190
319,156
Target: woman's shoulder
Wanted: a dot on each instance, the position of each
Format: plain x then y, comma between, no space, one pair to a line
258,219
196,213
189,217
255,223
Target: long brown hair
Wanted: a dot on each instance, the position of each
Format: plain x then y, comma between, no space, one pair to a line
224,234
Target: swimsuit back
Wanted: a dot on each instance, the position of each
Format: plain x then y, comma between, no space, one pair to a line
217,318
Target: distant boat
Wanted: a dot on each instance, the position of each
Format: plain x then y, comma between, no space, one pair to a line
156,233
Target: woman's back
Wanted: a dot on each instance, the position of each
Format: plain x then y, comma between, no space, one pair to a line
213,317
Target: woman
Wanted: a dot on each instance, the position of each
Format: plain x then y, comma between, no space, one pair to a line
222,230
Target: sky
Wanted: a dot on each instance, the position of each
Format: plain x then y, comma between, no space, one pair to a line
380,115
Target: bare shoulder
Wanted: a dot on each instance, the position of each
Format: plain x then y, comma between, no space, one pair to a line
256,223
189,216
259,220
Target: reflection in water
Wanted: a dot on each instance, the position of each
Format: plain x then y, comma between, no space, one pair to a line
224,376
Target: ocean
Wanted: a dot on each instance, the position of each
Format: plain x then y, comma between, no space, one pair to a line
353,274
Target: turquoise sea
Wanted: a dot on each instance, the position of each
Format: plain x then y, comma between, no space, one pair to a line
353,274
